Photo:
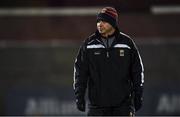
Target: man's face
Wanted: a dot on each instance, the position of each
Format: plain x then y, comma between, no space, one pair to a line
104,27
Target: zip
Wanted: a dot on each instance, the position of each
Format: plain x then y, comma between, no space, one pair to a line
107,54
107,49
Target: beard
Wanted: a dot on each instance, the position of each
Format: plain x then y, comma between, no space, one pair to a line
104,31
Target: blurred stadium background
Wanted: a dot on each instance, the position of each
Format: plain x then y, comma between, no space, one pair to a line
39,40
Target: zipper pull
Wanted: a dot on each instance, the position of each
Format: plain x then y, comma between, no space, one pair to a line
107,54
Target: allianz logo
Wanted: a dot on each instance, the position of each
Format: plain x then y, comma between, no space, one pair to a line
49,106
168,104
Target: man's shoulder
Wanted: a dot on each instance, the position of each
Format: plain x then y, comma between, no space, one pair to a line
124,35
127,39
90,38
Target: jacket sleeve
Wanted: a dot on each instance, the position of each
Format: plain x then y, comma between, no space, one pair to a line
137,72
80,77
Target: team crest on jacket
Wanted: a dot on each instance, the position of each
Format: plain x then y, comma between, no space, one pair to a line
121,52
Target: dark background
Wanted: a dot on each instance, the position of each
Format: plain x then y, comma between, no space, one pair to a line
37,55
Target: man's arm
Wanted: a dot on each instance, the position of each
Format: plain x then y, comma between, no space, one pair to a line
137,72
80,78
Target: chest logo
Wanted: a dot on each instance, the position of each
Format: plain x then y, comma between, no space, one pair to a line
97,53
121,52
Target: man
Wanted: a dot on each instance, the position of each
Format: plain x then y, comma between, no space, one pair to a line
109,64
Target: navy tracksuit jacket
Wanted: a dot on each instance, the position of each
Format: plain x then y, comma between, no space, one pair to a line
112,74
